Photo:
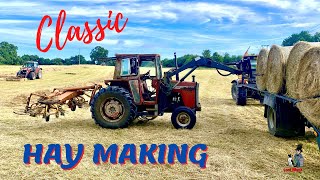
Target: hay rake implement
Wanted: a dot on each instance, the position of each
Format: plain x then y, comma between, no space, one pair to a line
47,105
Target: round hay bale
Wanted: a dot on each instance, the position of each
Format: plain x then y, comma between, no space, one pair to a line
293,64
276,67
261,77
308,85
310,109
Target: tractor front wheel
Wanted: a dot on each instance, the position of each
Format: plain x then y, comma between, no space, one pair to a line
183,118
241,98
32,76
113,108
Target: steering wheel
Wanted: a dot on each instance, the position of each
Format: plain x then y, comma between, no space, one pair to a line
146,76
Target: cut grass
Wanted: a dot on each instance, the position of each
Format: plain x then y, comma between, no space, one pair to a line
239,145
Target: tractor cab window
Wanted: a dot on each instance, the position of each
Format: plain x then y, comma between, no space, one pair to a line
129,66
125,67
148,66
29,65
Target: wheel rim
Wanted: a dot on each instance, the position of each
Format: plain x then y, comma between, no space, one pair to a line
271,118
40,75
234,91
113,110
183,119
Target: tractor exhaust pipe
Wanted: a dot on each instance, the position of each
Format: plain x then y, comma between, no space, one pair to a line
176,63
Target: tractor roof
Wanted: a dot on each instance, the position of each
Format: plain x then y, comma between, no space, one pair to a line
143,57
31,62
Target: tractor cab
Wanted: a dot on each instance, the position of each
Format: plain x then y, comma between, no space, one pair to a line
141,73
133,65
30,64
252,65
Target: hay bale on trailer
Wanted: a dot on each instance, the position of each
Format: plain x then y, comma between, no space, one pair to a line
293,66
261,77
308,85
276,68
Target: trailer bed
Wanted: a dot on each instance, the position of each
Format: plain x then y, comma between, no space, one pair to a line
284,118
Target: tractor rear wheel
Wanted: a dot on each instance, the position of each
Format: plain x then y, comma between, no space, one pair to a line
113,107
183,118
32,76
39,76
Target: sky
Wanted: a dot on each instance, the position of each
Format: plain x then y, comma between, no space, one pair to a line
162,27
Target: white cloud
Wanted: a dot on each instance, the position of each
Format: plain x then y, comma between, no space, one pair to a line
274,3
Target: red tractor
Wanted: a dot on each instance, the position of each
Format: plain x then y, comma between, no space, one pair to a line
30,70
128,96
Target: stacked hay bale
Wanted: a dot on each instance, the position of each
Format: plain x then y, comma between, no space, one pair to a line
294,71
308,85
276,68
261,78
293,67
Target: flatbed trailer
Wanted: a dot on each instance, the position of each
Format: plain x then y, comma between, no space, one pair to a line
283,116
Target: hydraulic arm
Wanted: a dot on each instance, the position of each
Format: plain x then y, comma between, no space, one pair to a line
194,64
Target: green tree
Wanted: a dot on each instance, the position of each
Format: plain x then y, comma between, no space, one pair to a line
44,61
316,37
57,61
75,60
217,57
9,53
294,38
206,53
27,57
2,60
97,53
226,58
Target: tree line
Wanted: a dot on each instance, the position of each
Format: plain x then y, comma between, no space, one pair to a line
9,55
98,55
225,58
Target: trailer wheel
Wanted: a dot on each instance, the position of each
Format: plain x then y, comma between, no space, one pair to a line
183,118
234,91
32,76
272,121
241,96
113,107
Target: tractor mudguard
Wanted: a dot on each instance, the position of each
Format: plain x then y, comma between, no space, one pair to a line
234,81
269,100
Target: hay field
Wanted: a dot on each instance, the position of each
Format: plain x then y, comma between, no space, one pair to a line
239,145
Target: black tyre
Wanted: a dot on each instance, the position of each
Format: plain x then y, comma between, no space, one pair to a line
241,96
113,107
234,91
73,107
32,76
39,75
272,121
183,118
